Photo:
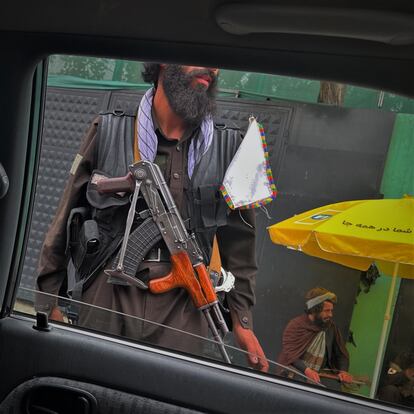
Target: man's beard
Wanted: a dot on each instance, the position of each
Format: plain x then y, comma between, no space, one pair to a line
191,103
321,323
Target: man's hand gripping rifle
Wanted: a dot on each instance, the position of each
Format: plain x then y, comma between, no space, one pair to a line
188,269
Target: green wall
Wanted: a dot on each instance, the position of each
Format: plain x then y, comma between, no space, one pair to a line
366,325
398,176
368,314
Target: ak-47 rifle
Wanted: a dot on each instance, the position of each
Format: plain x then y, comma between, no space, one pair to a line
163,222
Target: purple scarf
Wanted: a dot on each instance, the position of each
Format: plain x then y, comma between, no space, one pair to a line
148,141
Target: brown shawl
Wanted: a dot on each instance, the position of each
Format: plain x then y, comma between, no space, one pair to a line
298,335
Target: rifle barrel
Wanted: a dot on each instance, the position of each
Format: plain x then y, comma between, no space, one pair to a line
216,335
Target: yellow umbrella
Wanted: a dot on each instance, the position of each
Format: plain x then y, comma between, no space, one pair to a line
356,234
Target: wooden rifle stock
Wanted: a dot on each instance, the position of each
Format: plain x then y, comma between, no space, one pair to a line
182,275
115,185
201,291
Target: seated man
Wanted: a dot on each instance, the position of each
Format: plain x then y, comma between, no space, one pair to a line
398,386
312,343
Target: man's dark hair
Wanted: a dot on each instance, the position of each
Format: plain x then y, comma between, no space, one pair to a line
151,73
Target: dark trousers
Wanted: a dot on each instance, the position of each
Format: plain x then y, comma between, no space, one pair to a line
391,393
130,312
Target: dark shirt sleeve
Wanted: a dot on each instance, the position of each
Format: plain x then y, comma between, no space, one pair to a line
342,362
299,365
53,260
237,243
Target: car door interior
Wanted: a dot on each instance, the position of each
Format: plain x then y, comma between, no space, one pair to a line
4,182
65,370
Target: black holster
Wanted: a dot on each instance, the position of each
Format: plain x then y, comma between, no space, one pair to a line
83,239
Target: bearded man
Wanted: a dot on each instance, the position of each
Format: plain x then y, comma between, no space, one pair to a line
312,343
174,128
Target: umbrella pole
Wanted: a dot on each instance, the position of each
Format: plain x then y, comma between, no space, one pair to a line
381,346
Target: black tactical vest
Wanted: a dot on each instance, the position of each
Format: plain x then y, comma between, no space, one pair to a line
207,208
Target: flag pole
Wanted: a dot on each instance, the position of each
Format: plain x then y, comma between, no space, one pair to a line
381,347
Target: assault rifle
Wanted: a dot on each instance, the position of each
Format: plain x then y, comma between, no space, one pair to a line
163,222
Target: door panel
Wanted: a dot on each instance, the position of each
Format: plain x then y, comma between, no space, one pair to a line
104,368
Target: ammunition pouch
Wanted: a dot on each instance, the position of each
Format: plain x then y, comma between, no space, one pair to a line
208,208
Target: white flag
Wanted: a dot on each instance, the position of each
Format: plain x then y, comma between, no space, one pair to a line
248,182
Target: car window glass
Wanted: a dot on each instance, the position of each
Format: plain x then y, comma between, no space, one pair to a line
323,307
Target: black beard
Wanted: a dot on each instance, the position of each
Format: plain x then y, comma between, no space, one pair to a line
190,103
319,322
